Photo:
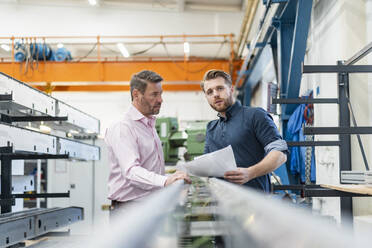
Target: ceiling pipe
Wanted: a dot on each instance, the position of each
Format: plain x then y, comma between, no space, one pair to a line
250,12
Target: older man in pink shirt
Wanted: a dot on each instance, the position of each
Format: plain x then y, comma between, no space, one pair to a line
134,147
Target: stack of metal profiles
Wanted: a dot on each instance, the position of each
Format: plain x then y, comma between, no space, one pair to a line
216,213
23,110
18,226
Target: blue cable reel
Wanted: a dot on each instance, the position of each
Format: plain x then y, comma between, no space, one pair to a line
40,51
20,52
61,54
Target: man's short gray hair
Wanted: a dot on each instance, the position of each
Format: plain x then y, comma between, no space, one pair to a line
140,80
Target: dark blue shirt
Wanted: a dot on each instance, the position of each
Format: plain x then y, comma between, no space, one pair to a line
248,130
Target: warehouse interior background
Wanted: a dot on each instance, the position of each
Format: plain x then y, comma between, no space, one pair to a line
337,30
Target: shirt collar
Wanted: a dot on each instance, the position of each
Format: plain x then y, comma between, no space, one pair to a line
136,115
232,110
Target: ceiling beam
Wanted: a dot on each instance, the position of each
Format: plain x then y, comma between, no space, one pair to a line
112,71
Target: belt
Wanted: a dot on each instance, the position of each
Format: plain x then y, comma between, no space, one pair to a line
118,204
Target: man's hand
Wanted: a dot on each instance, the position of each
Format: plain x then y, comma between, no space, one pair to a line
178,175
239,176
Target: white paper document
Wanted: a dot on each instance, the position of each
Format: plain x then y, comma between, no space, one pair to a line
213,164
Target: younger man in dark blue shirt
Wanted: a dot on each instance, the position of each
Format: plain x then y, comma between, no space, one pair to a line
257,145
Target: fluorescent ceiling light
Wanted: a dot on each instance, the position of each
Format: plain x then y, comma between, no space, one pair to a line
59,45
5,47
123,50
92,2
186,47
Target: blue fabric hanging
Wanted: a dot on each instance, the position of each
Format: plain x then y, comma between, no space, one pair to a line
298,154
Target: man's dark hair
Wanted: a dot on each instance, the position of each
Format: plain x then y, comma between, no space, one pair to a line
213,74
140,80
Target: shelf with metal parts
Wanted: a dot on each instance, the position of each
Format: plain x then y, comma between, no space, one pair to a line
23,110
24,105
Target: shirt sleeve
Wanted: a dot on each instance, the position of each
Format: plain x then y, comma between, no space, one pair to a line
267,133
126,150
207,141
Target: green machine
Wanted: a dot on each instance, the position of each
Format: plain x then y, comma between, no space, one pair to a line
195,139
171,138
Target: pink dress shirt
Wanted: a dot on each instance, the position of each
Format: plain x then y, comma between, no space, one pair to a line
136,157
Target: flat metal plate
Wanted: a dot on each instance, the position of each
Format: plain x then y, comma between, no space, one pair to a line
25,140
16,227
78,150
77,118
26,96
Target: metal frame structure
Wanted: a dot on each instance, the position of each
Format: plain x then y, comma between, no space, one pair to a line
344,130
21,104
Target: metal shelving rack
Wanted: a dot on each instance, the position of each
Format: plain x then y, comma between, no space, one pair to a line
22,109
344,130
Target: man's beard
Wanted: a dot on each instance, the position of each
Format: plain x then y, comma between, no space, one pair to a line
150,110
226,104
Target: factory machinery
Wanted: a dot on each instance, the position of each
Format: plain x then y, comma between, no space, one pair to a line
36,126
172,138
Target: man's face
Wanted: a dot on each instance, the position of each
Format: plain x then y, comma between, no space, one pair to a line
150,101
219,94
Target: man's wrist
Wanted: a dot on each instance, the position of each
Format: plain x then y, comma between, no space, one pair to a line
251,172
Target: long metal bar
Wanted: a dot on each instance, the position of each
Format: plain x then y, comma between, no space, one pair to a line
30,144
359,55
322,192
313,143
173,71
345,147
336,68
303,100
137,225
299,43
6,182
294,186
36,195
263,25
5,97
358,136
10,119
18,226
337,130
250,213
318,191
21,156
